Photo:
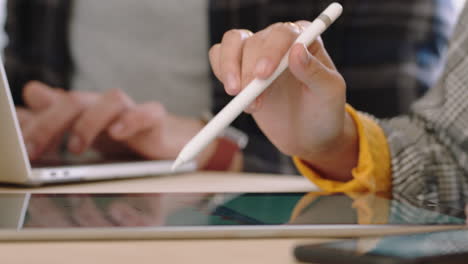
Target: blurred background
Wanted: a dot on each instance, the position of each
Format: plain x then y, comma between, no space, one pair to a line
358,94
397,93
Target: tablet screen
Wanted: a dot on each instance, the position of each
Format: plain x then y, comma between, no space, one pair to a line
26,211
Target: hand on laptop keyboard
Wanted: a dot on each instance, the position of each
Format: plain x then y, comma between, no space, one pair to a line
111,123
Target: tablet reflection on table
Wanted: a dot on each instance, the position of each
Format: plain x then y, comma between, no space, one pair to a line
214,209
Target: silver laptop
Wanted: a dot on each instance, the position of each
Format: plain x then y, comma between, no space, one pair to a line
15,167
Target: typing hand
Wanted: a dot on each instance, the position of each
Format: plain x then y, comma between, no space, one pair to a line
110,122
49,113
303,111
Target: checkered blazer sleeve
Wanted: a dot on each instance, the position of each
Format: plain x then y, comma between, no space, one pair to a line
429,146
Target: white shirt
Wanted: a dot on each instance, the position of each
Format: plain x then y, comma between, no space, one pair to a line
154,50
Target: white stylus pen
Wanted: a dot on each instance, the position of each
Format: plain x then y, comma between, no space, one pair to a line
237,105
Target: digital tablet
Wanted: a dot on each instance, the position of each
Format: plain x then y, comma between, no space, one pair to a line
25,216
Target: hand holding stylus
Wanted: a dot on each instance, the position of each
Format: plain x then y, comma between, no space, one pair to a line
303,110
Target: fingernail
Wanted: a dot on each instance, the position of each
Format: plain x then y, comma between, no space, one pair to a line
304,56
31,148
262,67
117,129
231,83
74,144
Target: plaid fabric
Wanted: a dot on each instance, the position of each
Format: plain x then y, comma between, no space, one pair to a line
399,43
430,145
38,44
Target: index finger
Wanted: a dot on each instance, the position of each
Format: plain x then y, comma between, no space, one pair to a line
39,96
231,56
277,41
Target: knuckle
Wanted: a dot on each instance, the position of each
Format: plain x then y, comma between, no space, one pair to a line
162,112
213,50
74,100
28,90
252,42
302,23
276,25
157,107
156,112
137,118
293,27
28,86
231,34
243,34
285,28
117,96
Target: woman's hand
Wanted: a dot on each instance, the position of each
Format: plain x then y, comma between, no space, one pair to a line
111,123
303,111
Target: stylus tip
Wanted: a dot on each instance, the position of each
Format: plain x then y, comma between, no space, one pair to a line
177,163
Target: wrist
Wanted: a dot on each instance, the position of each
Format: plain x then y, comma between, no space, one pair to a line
338,159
